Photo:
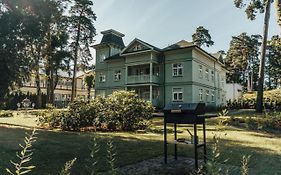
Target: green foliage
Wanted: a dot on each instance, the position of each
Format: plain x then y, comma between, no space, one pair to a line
120,111
111,157
242,58
201,37
67,167
24,157
5,114
270,122
271,99
127,110
95,148
245,165
273,68
253,7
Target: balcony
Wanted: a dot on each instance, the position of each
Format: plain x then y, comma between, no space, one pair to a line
134,79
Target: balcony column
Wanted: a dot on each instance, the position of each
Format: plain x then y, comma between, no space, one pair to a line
151,72
126,75
150,93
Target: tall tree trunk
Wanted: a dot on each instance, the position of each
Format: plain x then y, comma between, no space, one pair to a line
89,92
74,83
259,107
38,87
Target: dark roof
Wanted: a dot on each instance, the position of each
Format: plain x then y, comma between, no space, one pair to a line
180,44
154,48
114,57
110,38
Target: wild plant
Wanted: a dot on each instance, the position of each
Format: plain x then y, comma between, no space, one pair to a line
23,165
67,167
111,154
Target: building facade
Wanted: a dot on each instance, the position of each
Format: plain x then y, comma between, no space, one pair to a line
63,89
180,73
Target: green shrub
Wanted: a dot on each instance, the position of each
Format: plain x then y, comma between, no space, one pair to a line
122,110
272,100
5,114
127,110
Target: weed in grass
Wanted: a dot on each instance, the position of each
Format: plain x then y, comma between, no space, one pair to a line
93,161
111,154
67,167
22,166
245,165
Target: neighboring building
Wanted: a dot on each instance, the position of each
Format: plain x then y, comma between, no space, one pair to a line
233,91
63,88
180,73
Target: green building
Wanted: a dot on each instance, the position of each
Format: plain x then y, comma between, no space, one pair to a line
179,73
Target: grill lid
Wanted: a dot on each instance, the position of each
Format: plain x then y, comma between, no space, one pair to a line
185,108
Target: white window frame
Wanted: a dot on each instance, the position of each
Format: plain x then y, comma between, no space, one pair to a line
117,75
213,75
176,91
207,92
200,71
177,69
102,78
207,74
102,57
222,81
201,95
213,96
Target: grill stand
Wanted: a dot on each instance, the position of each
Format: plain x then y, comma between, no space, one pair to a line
196,144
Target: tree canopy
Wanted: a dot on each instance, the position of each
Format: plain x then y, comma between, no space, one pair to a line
201,37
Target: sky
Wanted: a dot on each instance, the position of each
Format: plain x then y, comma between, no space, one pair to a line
165,22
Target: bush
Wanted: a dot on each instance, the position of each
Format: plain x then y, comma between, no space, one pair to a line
5,114
272,100
127,110
268,123
122,110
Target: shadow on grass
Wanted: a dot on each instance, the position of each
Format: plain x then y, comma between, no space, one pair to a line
53,149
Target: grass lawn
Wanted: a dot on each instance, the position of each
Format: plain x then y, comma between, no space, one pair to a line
53,149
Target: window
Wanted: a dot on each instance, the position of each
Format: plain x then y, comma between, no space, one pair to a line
222,81
207,95
177,94
102,57
200,95
213,75
102,77
137,47
117,75
207,74
177,70
213,96
200,71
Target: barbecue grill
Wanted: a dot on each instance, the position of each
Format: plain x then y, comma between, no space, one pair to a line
185,113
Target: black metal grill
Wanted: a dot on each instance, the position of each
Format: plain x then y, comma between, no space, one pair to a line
185,113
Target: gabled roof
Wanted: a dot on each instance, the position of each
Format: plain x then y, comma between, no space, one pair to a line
180,44
145,44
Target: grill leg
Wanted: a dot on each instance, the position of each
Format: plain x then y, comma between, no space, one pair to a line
175,133
205,146
195,146
165,140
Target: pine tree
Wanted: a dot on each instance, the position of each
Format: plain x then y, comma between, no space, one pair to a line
82,30
201,37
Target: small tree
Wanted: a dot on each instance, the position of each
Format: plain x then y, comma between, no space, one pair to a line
90,80
83,31
201,37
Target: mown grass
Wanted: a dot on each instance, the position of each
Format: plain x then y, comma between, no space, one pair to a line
53,149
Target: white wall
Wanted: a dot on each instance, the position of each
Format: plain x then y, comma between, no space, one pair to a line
233,91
